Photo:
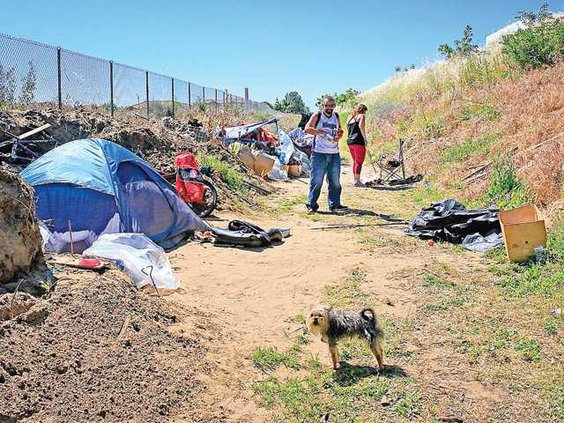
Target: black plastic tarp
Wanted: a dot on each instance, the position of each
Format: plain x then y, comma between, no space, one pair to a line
450,221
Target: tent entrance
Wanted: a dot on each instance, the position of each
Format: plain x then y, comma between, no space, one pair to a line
147,208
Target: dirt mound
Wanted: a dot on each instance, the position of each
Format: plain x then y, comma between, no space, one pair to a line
20,239
155,140
95,349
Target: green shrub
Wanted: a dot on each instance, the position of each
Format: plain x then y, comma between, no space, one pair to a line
228,174
505,189
538,45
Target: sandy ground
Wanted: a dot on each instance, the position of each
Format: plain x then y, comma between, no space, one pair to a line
257,293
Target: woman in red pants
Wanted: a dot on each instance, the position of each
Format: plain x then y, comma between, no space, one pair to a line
357,140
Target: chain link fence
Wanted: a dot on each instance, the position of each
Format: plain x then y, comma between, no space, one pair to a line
37,74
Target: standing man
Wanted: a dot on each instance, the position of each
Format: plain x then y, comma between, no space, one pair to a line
325,159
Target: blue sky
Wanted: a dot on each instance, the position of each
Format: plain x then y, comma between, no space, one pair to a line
272,47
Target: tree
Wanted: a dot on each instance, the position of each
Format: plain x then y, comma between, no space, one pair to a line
7,86
446,50
346,98
291,103
400,68
530,18
29,83
462,47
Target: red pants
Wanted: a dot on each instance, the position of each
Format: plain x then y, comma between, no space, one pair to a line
357,152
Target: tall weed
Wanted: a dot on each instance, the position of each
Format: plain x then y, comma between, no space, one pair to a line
230,176
505,189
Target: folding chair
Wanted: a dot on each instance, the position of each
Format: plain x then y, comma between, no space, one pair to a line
390,167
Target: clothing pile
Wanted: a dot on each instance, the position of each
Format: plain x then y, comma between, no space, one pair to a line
448,220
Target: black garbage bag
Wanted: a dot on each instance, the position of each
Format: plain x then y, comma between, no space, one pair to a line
450,221
246,234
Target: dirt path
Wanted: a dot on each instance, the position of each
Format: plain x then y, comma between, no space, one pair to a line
257,294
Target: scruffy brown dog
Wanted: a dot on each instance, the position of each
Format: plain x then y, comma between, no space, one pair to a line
332,325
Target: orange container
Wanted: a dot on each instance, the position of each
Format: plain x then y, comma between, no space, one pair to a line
523,229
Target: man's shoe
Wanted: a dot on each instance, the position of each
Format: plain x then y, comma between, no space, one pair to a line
340,207
310,209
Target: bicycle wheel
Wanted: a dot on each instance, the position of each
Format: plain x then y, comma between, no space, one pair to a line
210,200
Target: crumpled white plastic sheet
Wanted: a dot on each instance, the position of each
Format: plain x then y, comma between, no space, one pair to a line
143,260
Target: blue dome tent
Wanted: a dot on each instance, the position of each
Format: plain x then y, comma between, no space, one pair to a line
98,187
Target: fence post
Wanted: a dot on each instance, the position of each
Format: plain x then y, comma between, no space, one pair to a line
111,88
172,79
59,87
216,104
189,97
204,95
147,90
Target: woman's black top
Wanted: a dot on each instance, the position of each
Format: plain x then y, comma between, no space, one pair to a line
355,136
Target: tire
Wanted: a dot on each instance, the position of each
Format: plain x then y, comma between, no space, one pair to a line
204,210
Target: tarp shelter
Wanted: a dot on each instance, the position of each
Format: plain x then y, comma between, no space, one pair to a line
236,133
96,186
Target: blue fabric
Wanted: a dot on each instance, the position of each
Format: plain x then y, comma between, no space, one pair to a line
86,209
88,181
325,164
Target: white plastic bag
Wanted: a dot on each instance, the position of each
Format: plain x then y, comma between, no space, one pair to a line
138,256
285,148
277,172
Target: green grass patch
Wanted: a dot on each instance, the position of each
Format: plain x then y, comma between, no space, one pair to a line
530,350
228,174
463,150
285,205
350,395
532,278
269,358
432,279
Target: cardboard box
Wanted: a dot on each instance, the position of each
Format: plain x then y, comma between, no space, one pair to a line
295,170
263,164
246,156
523,229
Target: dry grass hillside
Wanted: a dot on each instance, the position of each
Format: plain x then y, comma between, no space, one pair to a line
480,128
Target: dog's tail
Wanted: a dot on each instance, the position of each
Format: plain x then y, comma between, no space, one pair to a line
376,332
368,315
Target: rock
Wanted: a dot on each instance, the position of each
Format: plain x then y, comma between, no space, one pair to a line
385,401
